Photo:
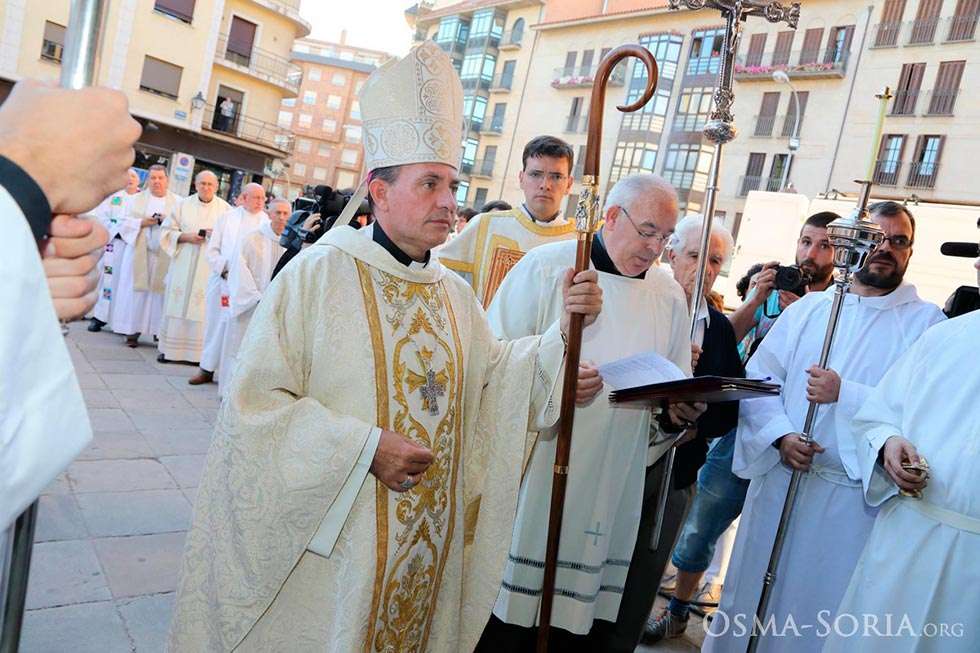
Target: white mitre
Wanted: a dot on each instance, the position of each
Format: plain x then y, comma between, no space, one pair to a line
412,112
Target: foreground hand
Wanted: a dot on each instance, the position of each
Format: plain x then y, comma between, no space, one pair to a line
398,460
763,281
193,239
695,355
686,414
898,450
48,130
796,453
589,383
786,298
582,295
823,386
71,261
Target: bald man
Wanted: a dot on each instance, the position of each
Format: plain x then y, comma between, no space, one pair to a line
183,238
220,253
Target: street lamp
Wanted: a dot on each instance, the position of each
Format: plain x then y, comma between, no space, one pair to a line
781,77
198,101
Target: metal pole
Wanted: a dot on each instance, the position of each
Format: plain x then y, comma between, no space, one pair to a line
795,138
79,68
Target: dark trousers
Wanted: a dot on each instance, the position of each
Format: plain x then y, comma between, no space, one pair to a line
500,637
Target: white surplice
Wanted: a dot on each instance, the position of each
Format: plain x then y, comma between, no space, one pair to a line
220,252
608,458
920,564
251,273
43,421
111,214
139,310
831,521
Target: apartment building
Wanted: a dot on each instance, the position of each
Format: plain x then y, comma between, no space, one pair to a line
204,77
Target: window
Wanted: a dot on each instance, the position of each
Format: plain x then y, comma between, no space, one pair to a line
474,110
574,121
791,121
925,162
299,169
313,74
452,29
469,154
289,102
483,23
811,45
349,157
909,83
506,79
345,179
767,114
324,151
480,198
489,159
946,89
776,172
891,23
309,98
693,108
684,162
355,110
53,45
241,37
964,21
461,191
352,133
499,113
304,145
329,125
706,48
784,46
926,21
839,44
305,120
320,174
160,77
358,86
586,67
753,173
339,79
179,9
889,159
517,31
757,45
285,119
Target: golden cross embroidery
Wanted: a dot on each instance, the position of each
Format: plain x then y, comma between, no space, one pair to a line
430,384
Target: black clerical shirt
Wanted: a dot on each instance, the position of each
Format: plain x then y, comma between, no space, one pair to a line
396,252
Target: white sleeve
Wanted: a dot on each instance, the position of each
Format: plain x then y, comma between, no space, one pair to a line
242,285
43,421
216,262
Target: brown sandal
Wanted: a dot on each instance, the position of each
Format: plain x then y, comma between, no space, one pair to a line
132,341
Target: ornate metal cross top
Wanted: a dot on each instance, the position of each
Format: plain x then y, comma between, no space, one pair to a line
720,127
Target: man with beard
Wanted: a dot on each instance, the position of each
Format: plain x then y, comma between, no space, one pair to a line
815,258
881,318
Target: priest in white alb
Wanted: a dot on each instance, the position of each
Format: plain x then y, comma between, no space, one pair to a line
111,213
139,290
368,452
251,272
881,318
494,242
221,249
920,562
184,238
644,310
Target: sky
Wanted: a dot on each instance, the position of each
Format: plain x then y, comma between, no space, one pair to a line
374,24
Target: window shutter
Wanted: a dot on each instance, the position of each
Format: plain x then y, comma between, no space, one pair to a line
811,45
757,45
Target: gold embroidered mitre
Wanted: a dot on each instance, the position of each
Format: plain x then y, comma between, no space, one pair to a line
412,110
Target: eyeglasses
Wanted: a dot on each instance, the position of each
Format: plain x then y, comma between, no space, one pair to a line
898,242
553,177
655,235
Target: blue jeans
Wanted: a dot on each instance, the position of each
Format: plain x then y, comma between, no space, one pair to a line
717,503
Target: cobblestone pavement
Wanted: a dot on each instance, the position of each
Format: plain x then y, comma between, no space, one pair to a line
111,528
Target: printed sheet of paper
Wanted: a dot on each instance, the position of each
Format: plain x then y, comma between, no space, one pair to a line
640,369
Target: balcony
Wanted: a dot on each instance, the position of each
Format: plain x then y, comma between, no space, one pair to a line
754,182
495,127
903,103
511,40
764,126
941,102
246,128
483,169
952,29
290,10
477,82
917,174
576,124
502,82
584,76
775,126
265,65
747,69
452,47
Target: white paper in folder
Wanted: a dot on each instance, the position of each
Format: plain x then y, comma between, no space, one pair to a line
640,369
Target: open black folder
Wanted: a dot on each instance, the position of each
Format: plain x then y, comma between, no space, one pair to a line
709,389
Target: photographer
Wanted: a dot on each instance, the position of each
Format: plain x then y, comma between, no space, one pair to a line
776,287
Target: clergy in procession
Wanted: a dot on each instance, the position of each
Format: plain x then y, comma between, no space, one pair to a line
882,317
111,213
251,273
221,248
139,291
920,562
367,456
493,242
183,238
644,310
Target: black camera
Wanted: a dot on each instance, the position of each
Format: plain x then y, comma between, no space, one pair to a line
791,278
322,200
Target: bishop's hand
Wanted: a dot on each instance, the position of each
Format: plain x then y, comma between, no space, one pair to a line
895,453
583,295
398,462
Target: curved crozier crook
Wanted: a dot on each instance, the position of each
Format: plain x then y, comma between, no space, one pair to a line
603,73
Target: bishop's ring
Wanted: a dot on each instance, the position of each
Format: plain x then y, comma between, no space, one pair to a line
408,483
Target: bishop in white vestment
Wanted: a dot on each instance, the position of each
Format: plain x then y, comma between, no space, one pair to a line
831,520
183,238
139,290
256,258
644,310
920,564
222,245
368,452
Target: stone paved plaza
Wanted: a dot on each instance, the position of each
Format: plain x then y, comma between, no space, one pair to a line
111,529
